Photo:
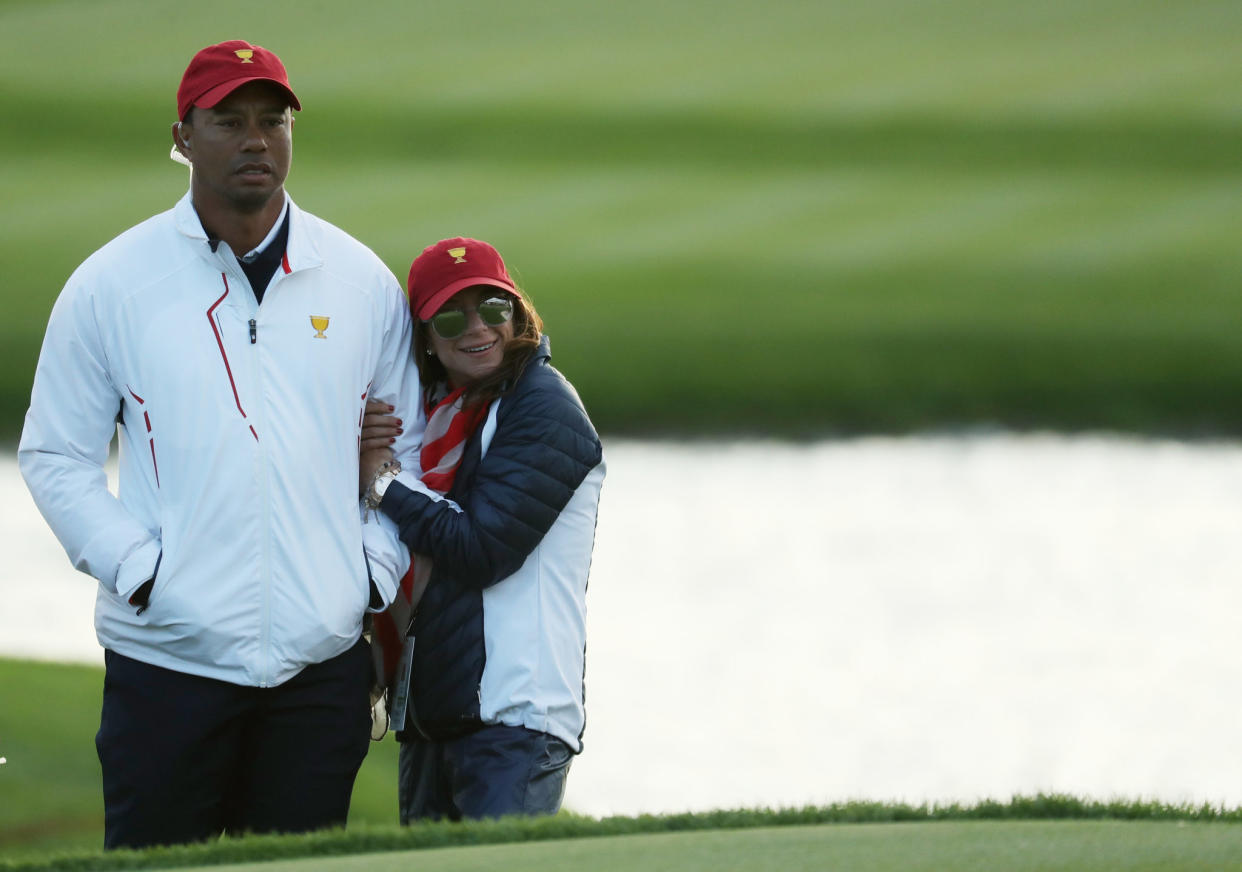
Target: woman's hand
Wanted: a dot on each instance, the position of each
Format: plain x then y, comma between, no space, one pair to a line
369,463
379,428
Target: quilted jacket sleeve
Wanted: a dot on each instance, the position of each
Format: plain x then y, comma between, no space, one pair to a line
543,448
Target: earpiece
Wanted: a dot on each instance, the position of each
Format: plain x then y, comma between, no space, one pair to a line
179,142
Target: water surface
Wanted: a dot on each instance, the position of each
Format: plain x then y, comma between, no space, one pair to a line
913,619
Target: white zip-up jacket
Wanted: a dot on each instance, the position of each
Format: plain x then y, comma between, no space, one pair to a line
239,428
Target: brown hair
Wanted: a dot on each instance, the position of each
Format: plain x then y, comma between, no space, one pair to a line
527,329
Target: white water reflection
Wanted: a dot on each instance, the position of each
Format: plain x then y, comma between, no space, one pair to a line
915,619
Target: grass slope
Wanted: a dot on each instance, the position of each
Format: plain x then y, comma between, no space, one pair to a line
795,217
737,840
963,847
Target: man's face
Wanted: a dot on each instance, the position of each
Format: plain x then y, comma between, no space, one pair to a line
241,148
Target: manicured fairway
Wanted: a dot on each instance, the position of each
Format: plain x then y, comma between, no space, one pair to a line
795,217
1072,846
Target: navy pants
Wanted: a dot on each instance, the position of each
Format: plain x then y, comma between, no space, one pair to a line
496,771
186,758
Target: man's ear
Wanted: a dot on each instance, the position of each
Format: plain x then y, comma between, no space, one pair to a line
181,138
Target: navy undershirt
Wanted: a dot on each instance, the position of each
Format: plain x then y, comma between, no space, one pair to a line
260,269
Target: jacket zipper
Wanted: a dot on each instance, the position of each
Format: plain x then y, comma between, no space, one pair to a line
262,481
261,414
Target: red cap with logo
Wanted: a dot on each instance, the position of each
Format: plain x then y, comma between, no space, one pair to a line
219,70
449,266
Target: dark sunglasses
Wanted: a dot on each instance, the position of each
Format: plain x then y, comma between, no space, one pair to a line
451,323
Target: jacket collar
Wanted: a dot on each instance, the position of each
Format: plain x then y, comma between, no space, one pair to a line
301,251
545,347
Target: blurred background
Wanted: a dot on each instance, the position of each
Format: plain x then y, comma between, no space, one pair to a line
794,218
829,266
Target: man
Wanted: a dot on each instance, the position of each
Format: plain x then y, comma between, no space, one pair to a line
236,340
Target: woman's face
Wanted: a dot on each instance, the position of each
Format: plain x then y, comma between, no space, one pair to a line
481,347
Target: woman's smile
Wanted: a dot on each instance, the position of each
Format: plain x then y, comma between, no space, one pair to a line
480,349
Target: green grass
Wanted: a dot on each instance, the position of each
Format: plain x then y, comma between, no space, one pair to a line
49,788
797,218
860,837
1019,847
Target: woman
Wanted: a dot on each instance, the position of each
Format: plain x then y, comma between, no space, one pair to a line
500,522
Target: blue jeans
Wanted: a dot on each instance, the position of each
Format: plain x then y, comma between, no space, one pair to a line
496,771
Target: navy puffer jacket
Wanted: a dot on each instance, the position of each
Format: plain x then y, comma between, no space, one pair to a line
543,450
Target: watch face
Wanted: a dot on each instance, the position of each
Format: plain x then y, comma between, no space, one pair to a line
380,485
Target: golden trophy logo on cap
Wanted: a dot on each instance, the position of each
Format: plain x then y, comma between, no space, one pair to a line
245,54
458,253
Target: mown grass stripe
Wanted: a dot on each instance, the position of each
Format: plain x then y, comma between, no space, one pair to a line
924,182
540,134
373,839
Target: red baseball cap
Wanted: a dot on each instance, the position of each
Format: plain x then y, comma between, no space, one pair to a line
219,70
450,265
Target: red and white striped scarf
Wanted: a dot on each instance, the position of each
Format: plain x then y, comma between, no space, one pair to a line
449,428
